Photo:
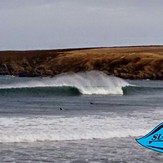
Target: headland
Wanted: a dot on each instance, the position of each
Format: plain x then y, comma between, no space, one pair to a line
135,62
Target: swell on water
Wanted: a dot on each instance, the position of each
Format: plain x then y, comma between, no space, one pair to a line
92,82
132,90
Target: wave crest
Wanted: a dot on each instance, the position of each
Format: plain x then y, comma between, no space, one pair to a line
92,82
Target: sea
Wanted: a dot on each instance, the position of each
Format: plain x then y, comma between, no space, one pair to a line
85,117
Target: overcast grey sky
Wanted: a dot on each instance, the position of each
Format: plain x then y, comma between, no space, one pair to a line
46,24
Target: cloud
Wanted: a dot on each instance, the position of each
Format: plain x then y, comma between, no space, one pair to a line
38,24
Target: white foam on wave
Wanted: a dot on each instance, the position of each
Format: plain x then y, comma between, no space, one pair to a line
58,128
92,82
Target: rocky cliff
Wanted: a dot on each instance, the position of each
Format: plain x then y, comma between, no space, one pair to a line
125,62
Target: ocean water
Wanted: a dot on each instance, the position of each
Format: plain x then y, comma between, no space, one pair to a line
78,118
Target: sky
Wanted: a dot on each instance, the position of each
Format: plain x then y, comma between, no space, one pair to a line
55,24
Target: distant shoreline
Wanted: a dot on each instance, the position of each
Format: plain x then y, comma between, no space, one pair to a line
128,62
81,48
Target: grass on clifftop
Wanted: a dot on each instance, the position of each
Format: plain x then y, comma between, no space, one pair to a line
125,62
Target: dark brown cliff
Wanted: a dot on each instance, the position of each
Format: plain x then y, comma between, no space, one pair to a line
124,62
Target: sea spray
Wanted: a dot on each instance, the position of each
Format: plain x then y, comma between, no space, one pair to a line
92,82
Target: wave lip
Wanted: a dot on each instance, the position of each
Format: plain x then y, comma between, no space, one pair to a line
41,91
92,82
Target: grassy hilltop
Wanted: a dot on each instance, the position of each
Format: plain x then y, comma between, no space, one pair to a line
144,62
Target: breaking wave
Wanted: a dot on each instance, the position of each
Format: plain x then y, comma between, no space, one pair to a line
92,82
58,128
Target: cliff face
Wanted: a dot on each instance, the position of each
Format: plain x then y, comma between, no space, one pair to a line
126,62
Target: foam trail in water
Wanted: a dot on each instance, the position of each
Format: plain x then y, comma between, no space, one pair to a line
92,82
56,128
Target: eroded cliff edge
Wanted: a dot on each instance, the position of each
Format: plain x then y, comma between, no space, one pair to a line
125,62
